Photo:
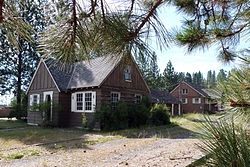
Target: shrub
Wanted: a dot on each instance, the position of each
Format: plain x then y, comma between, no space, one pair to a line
19,110
43,109
138,114
113,119
159,115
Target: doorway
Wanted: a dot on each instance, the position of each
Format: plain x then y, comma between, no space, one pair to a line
48,99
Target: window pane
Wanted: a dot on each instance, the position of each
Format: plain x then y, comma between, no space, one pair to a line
138,98
114,97
35,99
79,101
88,101
127,73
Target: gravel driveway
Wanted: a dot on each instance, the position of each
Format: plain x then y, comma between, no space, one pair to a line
149,152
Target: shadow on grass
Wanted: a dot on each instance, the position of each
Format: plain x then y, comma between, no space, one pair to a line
51,139
8,124
172,131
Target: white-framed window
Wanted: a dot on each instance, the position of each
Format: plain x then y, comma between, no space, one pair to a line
184,100
83,101
196,100
138,98
184,91
79,101
115,98
88,101
34,99
127,73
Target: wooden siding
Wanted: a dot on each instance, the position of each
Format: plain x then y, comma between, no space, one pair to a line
128,95
189,107
43,82
68,118
116,79
115,82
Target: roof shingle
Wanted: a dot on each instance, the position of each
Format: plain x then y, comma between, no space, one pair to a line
83,74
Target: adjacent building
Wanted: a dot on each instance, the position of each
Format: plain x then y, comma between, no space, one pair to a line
164,97
194,99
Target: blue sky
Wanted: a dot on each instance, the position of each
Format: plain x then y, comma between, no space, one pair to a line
181,60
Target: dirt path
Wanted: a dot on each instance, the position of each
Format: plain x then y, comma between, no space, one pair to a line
117,153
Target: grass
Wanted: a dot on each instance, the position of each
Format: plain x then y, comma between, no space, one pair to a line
5,124
199,162
32,135
15,156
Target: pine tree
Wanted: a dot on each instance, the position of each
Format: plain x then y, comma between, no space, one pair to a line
169,77
209,79
181,76
213,79
188,77
150,70
222,76
198,79
18,63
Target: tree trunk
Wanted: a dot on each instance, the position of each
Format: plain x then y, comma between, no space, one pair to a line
19,81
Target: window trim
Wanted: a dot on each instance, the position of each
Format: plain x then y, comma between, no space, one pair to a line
128,72
93,104
136,98
186,101
119,96
199,100
32,99
184,93
85,101
83,97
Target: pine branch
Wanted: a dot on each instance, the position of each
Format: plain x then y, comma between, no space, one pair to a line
146,19
103,12
74,22
1,11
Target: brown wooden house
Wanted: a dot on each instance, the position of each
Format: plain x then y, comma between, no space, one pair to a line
194,99
82,88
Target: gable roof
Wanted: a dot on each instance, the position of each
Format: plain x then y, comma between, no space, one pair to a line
212,93
61,77
195,87
160,96
89,73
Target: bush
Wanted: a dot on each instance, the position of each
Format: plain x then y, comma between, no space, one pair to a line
43,109
19,110
139,113
159,115
113,119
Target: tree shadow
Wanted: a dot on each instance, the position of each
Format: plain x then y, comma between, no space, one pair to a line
51,139
175,132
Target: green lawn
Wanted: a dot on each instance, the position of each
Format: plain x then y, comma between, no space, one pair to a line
12,124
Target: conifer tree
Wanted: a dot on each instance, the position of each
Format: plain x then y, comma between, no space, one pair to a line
18,63
188,77
170,77
222,76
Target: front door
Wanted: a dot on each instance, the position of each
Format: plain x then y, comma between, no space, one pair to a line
47,97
